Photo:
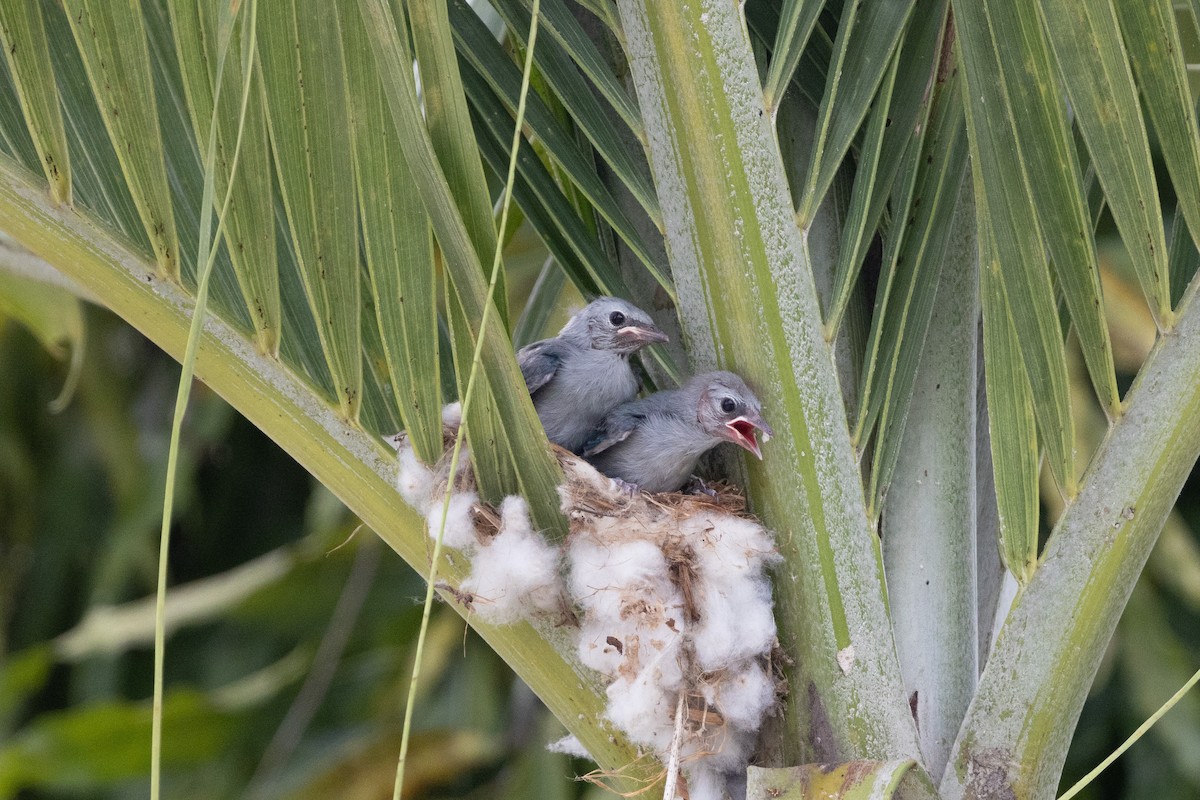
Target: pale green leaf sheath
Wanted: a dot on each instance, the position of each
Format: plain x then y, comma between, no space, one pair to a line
929,512
748,302
856,780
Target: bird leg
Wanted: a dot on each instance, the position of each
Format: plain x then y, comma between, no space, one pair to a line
698,486
630,489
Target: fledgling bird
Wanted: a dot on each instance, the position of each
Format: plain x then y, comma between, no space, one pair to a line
583,373
654,443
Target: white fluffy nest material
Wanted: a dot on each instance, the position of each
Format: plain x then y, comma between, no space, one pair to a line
669,593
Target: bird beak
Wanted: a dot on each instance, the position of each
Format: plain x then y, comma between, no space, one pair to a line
635,336
741,430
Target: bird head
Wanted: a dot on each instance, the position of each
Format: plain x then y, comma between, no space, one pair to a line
729,411
609,323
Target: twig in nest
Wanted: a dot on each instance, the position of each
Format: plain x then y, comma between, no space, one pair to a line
605,779
465,599
487,522
669,792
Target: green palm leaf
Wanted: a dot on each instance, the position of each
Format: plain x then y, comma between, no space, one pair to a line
349,294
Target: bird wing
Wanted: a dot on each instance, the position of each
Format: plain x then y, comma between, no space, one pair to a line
539,361
614,428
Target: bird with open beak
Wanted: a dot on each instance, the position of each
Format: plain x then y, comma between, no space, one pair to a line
654,443
583,373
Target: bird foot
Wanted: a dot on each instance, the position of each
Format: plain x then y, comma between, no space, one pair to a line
698,486
630,489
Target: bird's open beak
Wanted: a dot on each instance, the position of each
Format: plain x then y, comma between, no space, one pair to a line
741,432
634,336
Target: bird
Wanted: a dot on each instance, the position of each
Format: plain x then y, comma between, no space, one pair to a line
583,373
653,444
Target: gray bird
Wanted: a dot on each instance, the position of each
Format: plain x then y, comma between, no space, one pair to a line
654,443
583,373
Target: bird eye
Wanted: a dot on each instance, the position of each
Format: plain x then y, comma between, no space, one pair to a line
727,405
616,318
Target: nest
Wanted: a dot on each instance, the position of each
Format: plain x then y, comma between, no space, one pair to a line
668,593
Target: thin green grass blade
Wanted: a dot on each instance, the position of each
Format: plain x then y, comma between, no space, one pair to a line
566,32
27,51
185,169
479,48
304,85
206,255
1011,424
1002,189
251,248
1141,731
398,247
545,205
538,474
1045,151
596,119
493,461
1092,62
449,123
1152,41
467,398
112,40
901,107
867,37
796,22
